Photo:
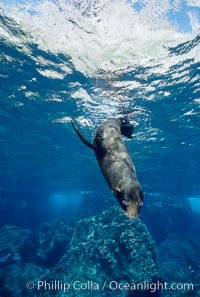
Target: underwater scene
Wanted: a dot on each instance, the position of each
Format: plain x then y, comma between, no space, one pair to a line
99,148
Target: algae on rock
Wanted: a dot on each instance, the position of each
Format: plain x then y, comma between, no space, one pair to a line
109,247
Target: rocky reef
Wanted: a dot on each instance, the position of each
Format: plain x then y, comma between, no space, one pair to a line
51,241
180,255
165,215
109,249
100,252
16,261
102,255
15,245
179,263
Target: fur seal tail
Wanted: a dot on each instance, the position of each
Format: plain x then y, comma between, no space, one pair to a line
82,138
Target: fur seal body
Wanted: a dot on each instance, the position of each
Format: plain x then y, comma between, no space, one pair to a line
116,164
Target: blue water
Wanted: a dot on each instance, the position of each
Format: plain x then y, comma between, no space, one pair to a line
42,155
68,61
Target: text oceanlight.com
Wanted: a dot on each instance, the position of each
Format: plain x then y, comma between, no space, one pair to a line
58,285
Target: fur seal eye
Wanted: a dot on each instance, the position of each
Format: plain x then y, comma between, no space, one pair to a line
140,203
125,202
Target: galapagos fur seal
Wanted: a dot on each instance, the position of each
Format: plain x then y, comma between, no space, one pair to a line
116,164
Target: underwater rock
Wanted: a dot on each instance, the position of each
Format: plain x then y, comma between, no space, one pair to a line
15,245
180,254
164,215
106,250
52,240
16,248
20,279
3,291
188,292
26,255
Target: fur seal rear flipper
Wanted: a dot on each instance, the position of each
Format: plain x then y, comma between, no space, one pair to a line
116,164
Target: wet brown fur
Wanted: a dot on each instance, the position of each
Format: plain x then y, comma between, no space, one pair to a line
116,165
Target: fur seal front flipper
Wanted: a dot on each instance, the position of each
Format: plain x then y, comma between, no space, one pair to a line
82,138
116,164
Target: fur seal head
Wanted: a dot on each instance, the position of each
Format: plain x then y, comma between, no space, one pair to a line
126,127
131,200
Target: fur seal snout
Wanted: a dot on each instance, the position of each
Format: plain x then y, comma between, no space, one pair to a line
131,200
116,164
